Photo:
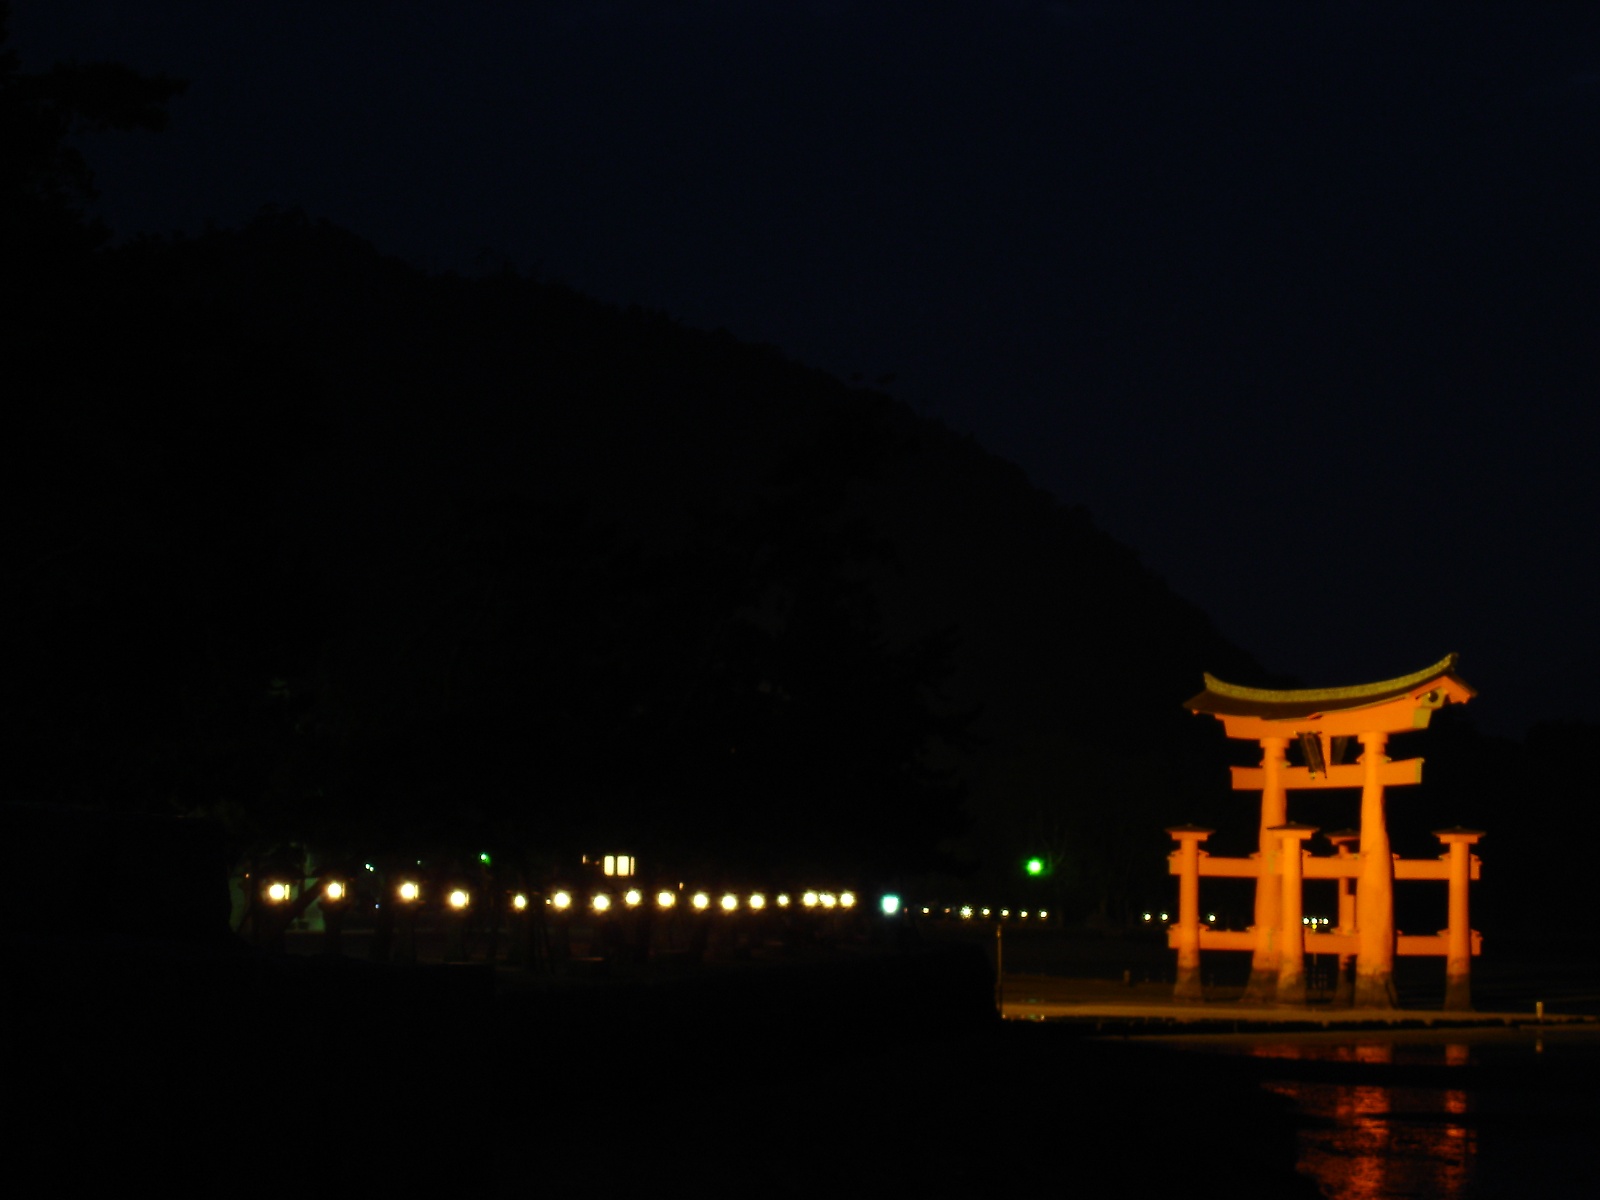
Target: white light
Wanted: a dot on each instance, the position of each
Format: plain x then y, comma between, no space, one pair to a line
828,899
1164,917
729,902
1023,914
1005,912
601,902
611,864
783,899
519,902
1211,918
986,912
632,897
1043,914
890,905
459,898
666,899
757,900
966,912
277,892
810,899
847,899
334,890
561,900
410,891
701,900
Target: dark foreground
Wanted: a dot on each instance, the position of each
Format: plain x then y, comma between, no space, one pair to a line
882,1075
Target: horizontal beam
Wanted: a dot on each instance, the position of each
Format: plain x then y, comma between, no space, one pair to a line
1399,773
1406,945
1327,866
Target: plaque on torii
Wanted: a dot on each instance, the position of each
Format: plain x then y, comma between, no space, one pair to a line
1327,723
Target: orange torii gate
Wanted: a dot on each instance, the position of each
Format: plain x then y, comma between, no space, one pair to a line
1325,722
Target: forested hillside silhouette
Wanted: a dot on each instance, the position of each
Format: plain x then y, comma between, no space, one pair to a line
355,557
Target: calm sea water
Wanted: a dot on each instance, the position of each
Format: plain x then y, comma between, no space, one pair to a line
1449,1115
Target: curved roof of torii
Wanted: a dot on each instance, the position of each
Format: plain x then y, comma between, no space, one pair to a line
1231,700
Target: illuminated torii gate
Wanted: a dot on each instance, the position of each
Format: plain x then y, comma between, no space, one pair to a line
1325,721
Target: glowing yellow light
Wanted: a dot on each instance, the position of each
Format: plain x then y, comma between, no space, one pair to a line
666,899
730,902
1004,913
847,899
1043,914
277,892
783,899
810,899
632,897
1211,918
926,911
334,890
410,891
1023,914
829,900
1164,917
966,912
561,900
1146,916
601,902
519,901
701,900
757,900
986,912
459,898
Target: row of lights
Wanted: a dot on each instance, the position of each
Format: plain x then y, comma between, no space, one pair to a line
410,892
966,913
701,901
1211,919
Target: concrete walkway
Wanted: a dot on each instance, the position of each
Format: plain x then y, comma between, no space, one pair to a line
1149,1007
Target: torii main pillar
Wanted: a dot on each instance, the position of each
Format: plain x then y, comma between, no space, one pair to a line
1324,723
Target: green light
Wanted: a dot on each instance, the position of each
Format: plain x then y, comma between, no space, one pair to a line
484,858
1034,866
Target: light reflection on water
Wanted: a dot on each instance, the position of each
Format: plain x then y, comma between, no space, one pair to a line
1462,1114
1377,1142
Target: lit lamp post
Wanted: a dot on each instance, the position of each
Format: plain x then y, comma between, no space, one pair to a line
458,910
408,900
334,899
273,904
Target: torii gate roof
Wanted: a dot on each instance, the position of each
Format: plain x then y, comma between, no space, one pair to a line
1389,705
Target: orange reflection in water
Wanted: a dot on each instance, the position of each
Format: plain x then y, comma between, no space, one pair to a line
1373,1141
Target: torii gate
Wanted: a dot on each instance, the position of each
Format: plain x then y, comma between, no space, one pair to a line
1325,721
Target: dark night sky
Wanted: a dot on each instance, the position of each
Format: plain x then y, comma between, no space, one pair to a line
1302,301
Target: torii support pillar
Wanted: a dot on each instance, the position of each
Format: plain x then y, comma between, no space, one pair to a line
1374,886
1187,855
1344,842
1292,951
1458,954
1263,985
